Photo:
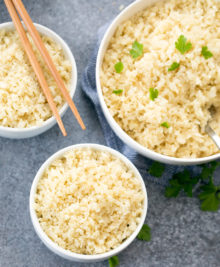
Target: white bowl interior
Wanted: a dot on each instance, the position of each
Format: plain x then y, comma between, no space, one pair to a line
68,254
124,15
18,133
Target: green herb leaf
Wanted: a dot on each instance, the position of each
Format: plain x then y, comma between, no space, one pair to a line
181,181
206,173
174,66
117,92
182,45
210,197
137,50
113,261
145,233
165,124
157,169
153,93
172,191
119,67
209,169
206,53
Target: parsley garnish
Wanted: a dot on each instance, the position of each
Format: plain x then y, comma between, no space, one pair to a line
210,193
137,50
145,233
181,181
206,53
182,45
210,197
153,93
209,169
117,92
174,66
119,67
113,261
165,124
157,169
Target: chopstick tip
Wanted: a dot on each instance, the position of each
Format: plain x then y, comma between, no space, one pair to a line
83,127
64,132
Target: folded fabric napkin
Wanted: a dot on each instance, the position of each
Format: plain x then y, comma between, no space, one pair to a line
142,163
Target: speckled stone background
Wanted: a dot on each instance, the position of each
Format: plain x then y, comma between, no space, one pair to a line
182,235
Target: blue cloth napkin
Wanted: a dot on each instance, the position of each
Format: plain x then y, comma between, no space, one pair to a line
143,164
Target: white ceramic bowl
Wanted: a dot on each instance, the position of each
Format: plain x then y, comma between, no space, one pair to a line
124,15
20,133
68,254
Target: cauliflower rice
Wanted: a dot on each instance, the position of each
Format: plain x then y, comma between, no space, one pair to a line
89,201
22,101
185,95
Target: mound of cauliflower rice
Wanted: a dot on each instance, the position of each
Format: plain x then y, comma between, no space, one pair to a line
89,201
173,122
22,101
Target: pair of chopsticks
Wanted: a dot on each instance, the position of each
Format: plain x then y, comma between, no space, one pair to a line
12,5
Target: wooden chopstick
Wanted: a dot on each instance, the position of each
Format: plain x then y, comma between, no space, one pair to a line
41,47
33,60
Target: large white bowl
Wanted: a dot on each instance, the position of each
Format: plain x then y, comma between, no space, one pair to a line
124,15
66,253
20,133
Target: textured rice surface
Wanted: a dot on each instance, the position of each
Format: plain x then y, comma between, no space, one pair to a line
22,101
185,95
89,201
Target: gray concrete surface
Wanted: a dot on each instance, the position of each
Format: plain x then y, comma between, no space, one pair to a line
182,235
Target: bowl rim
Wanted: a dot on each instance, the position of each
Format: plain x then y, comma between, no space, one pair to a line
66,253
73,81
129,11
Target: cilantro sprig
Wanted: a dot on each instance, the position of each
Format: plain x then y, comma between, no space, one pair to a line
209,169
137,50
181,181
157,169
117,92
210,197
153,93
119,67
209,192
182,45
113,261
206,53
145,233
174,66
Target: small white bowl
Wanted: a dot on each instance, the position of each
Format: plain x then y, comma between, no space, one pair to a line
124,15
68,254
20,133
